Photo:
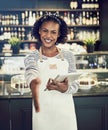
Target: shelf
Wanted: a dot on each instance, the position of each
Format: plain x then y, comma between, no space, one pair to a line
41,9
99,70
22,28
25,26
70,26
94,53
84,26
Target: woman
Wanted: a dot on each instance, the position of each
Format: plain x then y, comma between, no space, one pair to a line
53,106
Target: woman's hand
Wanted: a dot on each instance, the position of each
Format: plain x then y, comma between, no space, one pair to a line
34,85
56,85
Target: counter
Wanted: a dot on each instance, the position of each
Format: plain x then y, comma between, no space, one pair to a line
91,109
98,90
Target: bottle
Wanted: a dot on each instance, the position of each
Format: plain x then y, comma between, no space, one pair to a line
88,4
72,19
26,17
80,18
10,19
65,17
72,4
16,20
22,17
94,19
68,35
83,4
97,18
87,18
68,19
71,34
92,4
34,18
75,4
83,18
7,20
98,35
37,15
91,19
30,19
96,5
77,18
75,33
41,13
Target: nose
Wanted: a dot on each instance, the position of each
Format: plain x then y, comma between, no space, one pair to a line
48,34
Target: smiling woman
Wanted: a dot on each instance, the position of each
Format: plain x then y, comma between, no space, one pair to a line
42,66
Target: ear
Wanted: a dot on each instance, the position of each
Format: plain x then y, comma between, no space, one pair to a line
39,30
59,34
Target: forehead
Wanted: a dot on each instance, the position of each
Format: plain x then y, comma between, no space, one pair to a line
50,25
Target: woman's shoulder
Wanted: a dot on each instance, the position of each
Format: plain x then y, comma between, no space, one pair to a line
67,52
33,54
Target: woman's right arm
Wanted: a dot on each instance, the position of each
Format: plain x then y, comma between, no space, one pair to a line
32,78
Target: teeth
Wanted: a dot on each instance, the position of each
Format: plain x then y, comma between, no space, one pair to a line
48,40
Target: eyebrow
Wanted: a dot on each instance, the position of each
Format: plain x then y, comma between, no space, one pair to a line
47,29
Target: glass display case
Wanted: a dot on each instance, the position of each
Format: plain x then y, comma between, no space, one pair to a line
97,61
12,68
12,75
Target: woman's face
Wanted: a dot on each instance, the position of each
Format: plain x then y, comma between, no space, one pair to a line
49,33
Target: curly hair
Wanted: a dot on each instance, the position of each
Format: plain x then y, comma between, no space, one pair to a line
63,27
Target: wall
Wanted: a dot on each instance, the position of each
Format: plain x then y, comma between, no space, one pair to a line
34,4
104,16
17,4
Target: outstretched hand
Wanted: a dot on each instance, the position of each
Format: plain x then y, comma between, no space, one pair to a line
35,84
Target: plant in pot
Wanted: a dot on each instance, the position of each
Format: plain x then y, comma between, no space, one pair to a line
89,42
15,44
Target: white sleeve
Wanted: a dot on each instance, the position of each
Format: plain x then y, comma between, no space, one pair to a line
31,69
73,88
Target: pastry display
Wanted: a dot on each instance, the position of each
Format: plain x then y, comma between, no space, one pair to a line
86,81
18,82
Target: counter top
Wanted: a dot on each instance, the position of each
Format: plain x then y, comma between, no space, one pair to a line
101,90
98,90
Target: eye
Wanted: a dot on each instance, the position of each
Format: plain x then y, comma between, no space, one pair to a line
44,30
54,32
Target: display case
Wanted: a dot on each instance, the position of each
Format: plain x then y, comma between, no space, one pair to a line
12,69
97,61
12,75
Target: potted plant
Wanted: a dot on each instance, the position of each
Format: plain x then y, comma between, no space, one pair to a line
15,44
89,42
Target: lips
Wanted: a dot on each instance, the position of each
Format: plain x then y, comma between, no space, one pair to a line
47,40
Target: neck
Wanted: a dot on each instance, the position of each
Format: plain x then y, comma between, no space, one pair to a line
50,52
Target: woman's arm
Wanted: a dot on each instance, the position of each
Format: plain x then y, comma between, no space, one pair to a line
32,78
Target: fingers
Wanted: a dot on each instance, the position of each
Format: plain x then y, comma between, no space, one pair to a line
36,99
56,85
35,85
51,85
36,104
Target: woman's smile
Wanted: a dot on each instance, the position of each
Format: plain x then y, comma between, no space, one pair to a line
47,40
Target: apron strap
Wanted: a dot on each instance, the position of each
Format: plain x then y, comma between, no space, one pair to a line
59,50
